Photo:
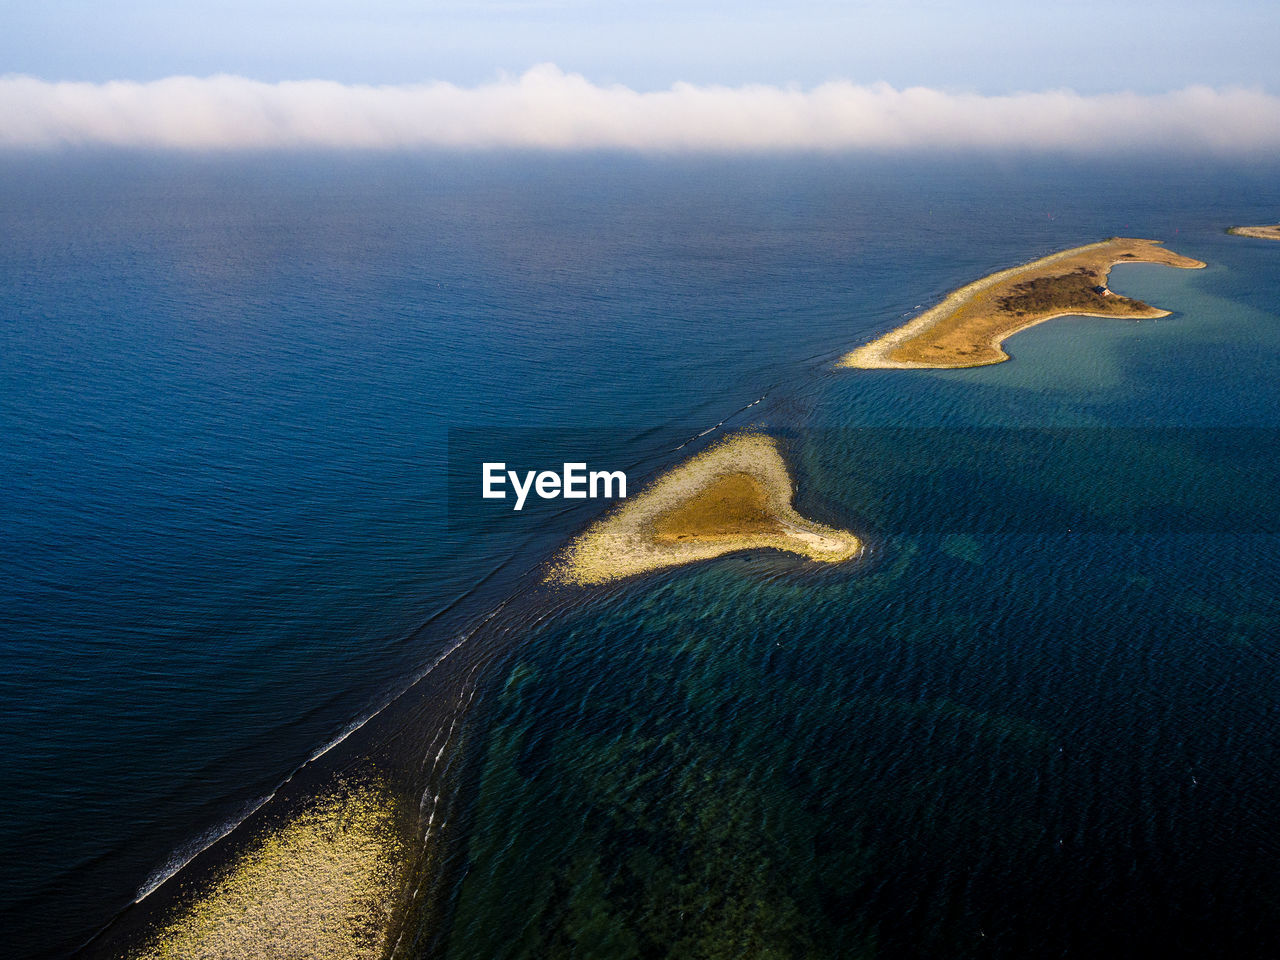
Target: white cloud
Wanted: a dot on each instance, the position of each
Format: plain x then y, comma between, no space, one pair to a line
548,109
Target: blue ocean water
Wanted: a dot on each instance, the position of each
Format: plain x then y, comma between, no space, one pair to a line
233,390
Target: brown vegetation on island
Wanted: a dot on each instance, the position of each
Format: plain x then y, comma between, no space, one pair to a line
730,507
1077,290
967,328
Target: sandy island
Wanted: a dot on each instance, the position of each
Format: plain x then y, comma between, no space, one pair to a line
733,496
967,328
1262,233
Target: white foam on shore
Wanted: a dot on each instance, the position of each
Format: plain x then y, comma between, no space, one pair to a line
198,845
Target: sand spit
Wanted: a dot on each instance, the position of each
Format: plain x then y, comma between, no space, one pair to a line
967,328
1262,233
320,887
734,496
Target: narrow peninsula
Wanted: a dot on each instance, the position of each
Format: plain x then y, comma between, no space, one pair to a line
734,496
968,327
1262,233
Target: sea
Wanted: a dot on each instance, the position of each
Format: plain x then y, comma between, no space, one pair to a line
244,403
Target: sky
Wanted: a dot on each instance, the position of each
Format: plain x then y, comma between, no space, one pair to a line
991,50
984,46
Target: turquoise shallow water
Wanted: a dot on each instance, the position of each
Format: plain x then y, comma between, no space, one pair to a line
1037,718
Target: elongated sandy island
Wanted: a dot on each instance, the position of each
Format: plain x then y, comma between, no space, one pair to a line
968,327
733,496
1262,233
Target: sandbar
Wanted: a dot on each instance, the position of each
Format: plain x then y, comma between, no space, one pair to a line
968,327
1262,233
733,496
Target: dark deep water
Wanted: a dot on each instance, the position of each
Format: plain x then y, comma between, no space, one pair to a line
1037,719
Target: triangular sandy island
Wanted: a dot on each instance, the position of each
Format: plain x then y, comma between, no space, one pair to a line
733,496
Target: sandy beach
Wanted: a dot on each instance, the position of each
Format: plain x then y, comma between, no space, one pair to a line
968,327
734,496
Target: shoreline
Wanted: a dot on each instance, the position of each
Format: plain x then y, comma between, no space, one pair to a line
323,883
673,521
966,313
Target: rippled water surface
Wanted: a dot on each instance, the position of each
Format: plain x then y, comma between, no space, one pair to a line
235,393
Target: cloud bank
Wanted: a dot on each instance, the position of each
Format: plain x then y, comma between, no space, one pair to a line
547,109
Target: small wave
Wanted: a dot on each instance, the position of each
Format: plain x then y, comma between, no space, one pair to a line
357,724
189,851
699,436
